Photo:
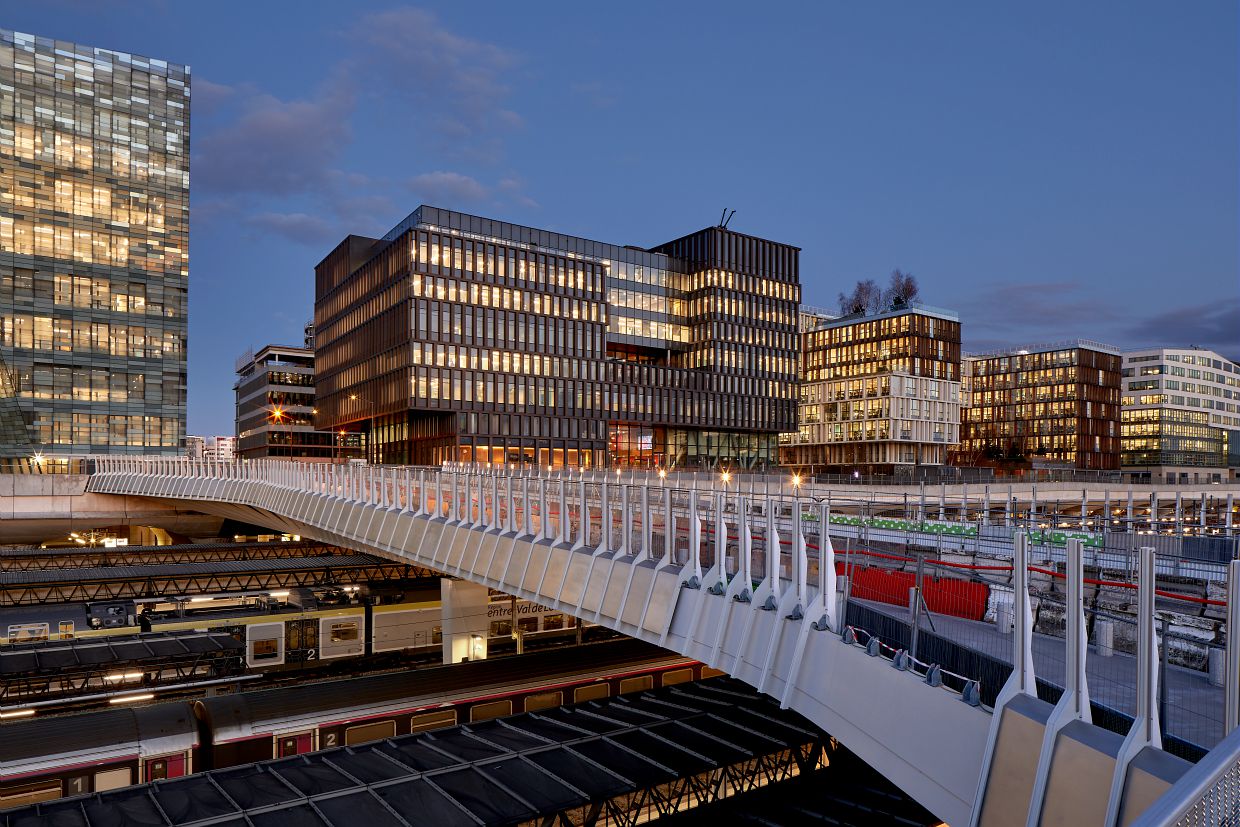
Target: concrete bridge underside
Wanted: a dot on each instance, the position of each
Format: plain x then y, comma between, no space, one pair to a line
38,508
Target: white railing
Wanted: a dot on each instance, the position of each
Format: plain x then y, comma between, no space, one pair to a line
1208,795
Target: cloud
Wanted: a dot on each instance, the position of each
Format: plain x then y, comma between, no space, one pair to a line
1031,313
302,228
447,187
1214,324
277,147
457,83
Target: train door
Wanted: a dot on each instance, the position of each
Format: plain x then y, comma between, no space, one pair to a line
165,766
294,744
301,641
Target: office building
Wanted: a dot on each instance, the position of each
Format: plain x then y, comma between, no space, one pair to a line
94,231
195,446
220,449
275,405
459,338
1054,406
880,392
1180,418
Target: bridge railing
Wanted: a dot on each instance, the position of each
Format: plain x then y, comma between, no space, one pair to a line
1206,796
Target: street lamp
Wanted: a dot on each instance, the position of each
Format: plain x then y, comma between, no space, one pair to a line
796,481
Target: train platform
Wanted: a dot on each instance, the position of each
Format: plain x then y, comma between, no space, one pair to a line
626,759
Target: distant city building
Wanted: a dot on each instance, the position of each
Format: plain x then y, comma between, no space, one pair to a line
1181,422
880,392
1043,405
195,446
94,241
220,449
275,406
459,338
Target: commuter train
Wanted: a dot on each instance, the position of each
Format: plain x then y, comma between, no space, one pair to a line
47,758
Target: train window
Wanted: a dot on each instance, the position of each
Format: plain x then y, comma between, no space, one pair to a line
487,711
553,621
437,635
28,632
344,631
501,628
29,794
432,720
266,649
593,692
677,676
527,624
636,684
543,700
369,732
113,779
707,672
66,630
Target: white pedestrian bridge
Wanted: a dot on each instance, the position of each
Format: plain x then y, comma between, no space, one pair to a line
742,579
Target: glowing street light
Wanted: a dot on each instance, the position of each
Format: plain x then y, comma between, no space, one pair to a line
662,473
726,476
796,481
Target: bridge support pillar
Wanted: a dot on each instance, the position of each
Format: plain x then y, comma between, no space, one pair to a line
466,622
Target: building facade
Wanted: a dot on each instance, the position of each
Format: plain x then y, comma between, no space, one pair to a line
459,338
880,393
94,232
275,406
220,449
1181,422
1054,405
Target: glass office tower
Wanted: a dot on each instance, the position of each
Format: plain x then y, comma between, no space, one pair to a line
459,338
94,231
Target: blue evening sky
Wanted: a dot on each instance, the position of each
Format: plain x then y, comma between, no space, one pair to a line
1050,170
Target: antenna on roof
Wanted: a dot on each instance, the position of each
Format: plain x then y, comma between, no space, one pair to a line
722,216
723,221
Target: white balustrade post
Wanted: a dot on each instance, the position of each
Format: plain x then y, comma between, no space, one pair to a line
986,506
563,508
647,532
583,515
695,540
626,520
527,519
826,571
1232,712
746,544
493,523
1230,509
604,516
800,556
669,527
544,524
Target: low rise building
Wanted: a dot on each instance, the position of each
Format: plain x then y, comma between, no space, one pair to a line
880,392
1181,422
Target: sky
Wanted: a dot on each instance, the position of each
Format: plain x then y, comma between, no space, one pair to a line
1050,171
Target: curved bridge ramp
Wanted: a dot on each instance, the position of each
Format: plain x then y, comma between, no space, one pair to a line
742,581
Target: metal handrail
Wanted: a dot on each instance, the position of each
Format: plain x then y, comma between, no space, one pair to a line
1209,793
